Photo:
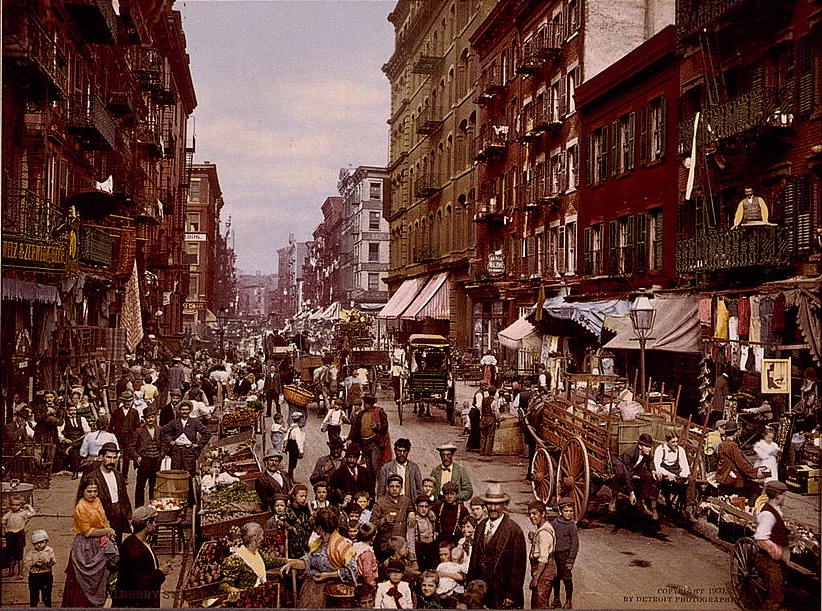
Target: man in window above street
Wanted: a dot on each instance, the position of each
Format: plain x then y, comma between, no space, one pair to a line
751,210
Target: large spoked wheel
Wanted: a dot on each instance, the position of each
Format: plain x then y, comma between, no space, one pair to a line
574,475
542,475
748,585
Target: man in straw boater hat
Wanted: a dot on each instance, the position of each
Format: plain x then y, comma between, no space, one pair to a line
272,481
771,537
449,471
499,554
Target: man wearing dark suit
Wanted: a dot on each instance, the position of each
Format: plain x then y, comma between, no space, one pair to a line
150,446
139,576
187,436
499,554
273,482
350,478
125,421
169,410
406,469
638,461
272,387
111,488
326,465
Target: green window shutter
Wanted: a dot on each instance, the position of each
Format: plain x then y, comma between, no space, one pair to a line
614,147
643,136
588,159
586,251
613,241
640,247
663,127
631,141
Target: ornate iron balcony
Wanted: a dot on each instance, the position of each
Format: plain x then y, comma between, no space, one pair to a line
491,142
95,247
763,246
426,184
89,119
692,16
95,20
429,59
429,120
28,46
489,84
27,214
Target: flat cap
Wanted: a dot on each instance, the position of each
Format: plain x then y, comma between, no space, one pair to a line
142,514
109,446
39,535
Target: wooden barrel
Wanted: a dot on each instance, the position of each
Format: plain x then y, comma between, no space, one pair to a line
508,437
172,484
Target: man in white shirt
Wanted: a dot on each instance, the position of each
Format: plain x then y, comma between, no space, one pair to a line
95,440
672,469
771,537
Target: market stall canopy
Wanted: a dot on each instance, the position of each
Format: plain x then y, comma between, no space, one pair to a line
211,320
426,339
587,315
676,327
372,308
316,314
521,335
21,290
433,301
402,298
332,312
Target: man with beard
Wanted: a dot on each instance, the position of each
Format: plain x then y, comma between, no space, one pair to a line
111,486
47,418
499,554
187,436
350,478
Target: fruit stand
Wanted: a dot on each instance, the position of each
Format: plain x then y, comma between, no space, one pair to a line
238,417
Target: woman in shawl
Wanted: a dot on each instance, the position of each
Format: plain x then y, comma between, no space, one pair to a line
247,566
93,554
331,559
298,517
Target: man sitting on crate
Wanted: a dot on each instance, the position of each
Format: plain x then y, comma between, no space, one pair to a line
187,436
672,470
638,462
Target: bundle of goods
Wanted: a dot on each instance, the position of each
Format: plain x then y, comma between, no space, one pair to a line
297,395
804,544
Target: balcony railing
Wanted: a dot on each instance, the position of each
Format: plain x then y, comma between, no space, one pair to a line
536,51
148,136
692,16
89,119
489,210
124,99
148,67
541,118
491,142
95,20
735,248
95,247
489,84
26,213
426,184
430,57
29,46
429,120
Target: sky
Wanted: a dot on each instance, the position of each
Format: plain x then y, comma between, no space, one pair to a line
288,92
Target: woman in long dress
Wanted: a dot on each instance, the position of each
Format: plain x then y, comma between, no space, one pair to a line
330,559
93,554
767,452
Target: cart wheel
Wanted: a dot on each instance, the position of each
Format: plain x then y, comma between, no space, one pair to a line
748,586
542,475
574,475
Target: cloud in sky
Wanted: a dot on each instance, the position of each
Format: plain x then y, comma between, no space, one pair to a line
288,93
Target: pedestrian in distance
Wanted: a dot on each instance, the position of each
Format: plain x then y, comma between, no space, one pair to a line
334,419
294,443
278,430
272,388
38,564
489,418
369,430
125,420
565,552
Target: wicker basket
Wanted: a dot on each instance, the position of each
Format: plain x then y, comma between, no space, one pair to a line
297,395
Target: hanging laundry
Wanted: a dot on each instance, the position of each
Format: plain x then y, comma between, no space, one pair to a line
755,334
733,307
705,311
778,322
744,308
733,335
721,328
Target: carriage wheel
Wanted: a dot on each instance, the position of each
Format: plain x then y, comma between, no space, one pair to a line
748,586
542,475
574,475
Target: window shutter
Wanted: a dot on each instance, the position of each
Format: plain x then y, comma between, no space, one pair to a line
614,147
663,127
631,140
643,136
805,69
561,249
658,240
562,171
588,159
803,212
587,258
613,242
641,252
563,102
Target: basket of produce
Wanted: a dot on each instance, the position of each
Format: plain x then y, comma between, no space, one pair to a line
297,395
206,572
214,524
168,509
263,596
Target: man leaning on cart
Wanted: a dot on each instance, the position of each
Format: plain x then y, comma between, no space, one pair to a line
771,537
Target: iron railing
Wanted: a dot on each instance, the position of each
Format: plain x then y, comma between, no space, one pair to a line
426,184
492,140
88,116
430,119
95,19
734,248
692,16
27,214
25,39
489,84
430,56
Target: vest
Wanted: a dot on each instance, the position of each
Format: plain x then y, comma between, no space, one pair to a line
779,533
71,432
751,213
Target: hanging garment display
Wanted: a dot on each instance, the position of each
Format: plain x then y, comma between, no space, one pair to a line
721,327
744,312
755,333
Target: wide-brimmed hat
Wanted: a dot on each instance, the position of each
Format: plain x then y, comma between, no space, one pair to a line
109,446
296,415
149,411
126,395
731,427
494,494
446,447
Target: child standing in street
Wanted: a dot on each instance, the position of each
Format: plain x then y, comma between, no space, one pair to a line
465,414
565,551
294,443
394,593
277,432
367,565
14,529
333,421
38,564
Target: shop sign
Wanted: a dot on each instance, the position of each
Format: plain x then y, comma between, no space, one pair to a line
195,237
189,306
22,253
495,265
775,378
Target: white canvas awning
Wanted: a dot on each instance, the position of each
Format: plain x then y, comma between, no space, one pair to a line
402,298
520,335
332,312
433,301
676,327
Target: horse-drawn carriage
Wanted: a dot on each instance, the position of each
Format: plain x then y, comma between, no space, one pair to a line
429,381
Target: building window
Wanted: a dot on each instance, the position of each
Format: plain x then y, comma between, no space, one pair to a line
194,190
193,253
557,174
655,239
193,222
623,135
653,130
373,252
556,26
571,80
573,16
592,250
556,102
374,220
597,155
570,247
626,245
375,190
373,282
572,172
193,287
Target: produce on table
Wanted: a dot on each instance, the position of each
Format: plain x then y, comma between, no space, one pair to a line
236,493
207,567
166,504
241,417
262,596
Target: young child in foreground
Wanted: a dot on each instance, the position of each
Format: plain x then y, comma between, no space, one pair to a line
565,551
394,593
39,563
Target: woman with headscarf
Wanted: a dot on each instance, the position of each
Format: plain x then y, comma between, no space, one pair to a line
331,559
298,517
247,566
93,554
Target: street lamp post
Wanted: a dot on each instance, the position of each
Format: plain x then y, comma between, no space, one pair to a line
642,315
222,321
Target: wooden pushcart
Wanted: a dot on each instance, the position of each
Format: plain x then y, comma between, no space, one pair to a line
429,382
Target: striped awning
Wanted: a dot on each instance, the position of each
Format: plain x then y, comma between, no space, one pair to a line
433,301
402,298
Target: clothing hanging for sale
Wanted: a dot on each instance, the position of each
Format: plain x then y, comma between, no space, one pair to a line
721,328
744,312
755,334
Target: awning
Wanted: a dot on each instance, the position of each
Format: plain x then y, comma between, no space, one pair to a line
588,315
615,324
433,301
676,327
402,298
211,320
521,335
21,290
332,312
370,307
317,314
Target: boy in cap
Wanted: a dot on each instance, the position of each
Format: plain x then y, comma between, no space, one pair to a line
449,512
771,537
294,442
38,563
565,551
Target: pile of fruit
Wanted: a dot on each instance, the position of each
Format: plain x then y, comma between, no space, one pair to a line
207,567
260,597
236,493
225,514
166,504
240,417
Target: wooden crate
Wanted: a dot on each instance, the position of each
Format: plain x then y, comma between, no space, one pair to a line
220,529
